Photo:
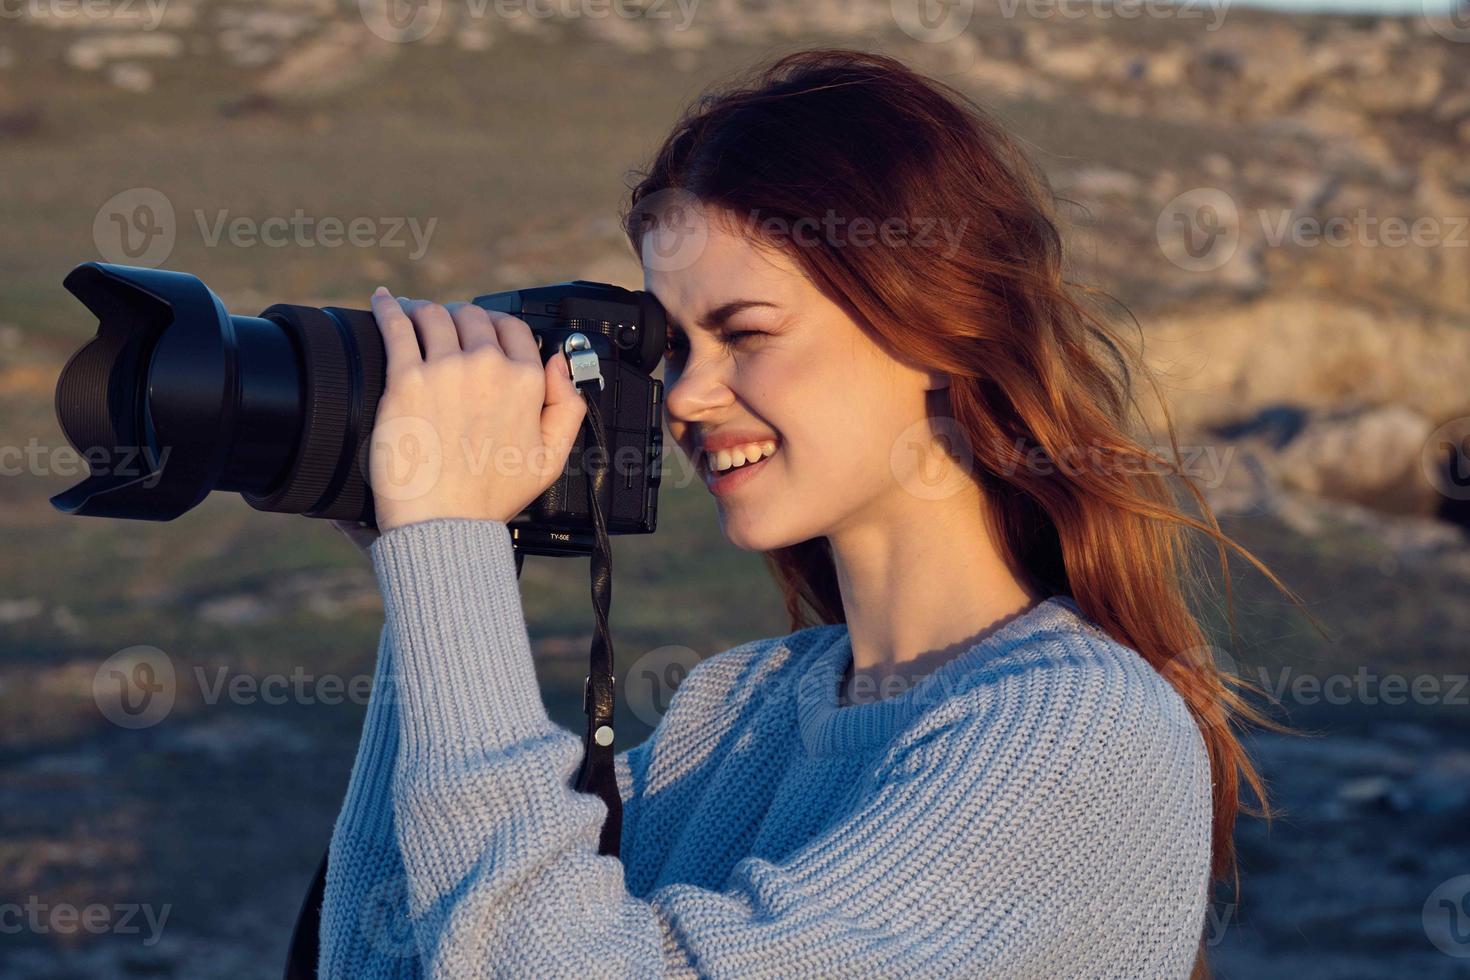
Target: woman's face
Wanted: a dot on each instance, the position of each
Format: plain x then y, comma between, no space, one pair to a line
784,364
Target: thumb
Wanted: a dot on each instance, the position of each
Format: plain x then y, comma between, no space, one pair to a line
564,410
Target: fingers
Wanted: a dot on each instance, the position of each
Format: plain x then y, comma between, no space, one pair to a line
516,338
475,327
436,331
561,416
445,330
399,339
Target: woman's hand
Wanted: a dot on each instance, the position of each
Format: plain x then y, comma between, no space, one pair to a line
474,426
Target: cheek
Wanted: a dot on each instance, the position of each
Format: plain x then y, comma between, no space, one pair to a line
837,436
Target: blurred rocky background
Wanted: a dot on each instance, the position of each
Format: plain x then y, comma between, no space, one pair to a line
1279,200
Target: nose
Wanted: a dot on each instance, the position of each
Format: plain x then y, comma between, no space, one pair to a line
697,390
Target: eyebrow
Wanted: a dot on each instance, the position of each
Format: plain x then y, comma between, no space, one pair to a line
717,316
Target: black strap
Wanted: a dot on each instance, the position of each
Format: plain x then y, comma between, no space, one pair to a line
597,773
301,959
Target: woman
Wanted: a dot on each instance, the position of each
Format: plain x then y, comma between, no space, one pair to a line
989,747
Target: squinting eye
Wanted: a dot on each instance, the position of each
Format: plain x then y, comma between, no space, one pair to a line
674,343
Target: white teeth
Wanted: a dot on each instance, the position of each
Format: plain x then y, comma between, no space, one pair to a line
740,455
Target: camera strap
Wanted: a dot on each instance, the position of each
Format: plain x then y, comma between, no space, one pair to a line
597,773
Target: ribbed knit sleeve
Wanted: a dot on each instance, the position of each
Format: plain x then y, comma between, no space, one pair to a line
365,926
364,929
1050,821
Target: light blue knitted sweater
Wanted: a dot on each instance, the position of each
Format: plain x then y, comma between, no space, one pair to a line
1038,806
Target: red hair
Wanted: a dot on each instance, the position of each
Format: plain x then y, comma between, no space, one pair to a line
1036,372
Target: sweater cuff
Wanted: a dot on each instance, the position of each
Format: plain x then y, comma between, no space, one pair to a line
466,682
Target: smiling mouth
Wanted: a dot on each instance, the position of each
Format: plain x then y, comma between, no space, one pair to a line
726,461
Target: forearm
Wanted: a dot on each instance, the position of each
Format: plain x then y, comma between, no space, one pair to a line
484,805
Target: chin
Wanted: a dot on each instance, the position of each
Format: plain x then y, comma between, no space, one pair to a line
754,533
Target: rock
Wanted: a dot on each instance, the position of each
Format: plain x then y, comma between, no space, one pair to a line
474,38
1369,456
231,736
91,53
1371,792
130,76
1096,182
20,610
338,59
1221,365
236,610
20,121
68,622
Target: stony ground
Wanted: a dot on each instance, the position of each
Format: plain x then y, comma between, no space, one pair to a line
1313,381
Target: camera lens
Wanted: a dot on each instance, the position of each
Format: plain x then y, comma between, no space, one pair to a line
175,397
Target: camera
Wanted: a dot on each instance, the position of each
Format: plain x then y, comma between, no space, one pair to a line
176,397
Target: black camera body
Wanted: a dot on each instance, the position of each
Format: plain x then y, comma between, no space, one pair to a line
175,397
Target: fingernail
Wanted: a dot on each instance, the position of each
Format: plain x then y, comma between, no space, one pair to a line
383,290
